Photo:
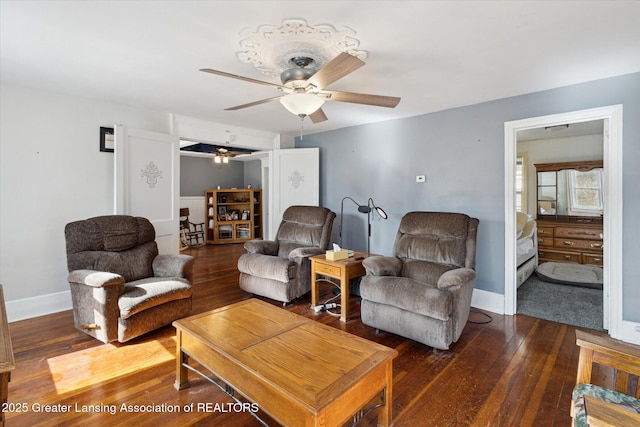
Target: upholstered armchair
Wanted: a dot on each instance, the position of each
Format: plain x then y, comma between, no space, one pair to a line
120,287
423,291
280,269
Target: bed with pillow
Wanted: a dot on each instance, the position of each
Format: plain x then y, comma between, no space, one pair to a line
526,247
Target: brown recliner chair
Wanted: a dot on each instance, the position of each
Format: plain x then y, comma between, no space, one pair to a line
120,287
423,291
280,269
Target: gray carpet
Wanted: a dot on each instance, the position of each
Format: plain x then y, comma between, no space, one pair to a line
571,305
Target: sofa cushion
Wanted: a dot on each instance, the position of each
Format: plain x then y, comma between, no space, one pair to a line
303,226
408,294
267,267
146,293
132,264
580,416
437,238
108,233
424,271
119,244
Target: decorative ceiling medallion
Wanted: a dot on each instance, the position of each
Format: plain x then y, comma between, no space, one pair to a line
270,48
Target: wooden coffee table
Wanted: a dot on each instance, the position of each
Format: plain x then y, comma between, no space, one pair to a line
300,372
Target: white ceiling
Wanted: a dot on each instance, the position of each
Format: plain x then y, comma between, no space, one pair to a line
594,127
435,55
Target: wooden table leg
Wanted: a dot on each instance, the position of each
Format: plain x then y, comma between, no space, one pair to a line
384,413
182,376
344,295
4,392
314,286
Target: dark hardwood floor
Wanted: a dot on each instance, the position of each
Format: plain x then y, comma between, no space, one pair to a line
514,370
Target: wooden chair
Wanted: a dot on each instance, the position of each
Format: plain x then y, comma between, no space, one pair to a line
606,391
184,241
191,234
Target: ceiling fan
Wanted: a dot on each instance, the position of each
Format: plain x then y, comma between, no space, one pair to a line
304,87
220,154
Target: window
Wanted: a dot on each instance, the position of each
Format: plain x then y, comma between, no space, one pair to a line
585,191
521,183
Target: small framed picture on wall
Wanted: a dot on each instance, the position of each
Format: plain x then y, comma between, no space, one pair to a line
107,140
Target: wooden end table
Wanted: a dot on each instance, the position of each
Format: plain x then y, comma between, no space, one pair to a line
343,270
7,362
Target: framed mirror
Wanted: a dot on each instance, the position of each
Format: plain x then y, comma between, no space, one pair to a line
570,191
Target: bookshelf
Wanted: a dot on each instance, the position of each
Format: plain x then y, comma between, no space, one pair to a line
233,215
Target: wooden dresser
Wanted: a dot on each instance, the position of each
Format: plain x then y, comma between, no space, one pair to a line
570,242
7,363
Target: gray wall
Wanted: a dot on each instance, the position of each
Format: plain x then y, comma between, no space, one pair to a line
198,174
461,151
253,174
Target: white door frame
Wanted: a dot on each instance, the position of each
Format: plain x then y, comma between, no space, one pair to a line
612,227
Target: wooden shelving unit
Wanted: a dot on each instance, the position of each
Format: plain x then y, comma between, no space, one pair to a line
233,215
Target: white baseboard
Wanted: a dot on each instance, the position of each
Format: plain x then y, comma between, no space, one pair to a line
484,300
38,306
60,301
53,303
490,301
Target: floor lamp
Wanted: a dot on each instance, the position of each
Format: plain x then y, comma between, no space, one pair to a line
381,213
368,209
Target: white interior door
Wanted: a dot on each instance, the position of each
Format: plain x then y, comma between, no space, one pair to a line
147,181
295,180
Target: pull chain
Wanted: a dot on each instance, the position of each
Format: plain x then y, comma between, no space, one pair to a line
302,116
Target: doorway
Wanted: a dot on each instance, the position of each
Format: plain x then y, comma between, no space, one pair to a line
583,143
612,287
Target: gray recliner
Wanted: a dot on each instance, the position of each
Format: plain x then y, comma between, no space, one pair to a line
120,287
280,269
423,291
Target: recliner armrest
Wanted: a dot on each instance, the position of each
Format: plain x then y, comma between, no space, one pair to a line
94,278
456,278
172,265
265,247
382,266
298,253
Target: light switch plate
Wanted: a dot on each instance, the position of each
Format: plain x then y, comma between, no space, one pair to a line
421,178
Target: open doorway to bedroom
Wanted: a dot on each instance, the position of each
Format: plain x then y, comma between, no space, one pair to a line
558,191
611,118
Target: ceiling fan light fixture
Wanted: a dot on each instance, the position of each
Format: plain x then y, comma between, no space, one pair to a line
302,104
